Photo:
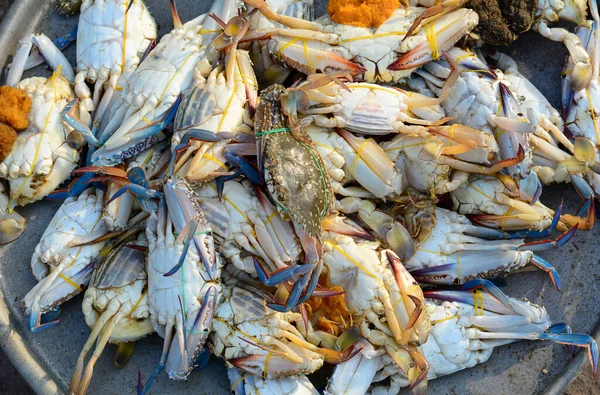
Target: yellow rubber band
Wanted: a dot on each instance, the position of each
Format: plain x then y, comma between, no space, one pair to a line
71,282
593,115
432,40
216,160
37,149
361,267
123,57
435,322
266,370
371,36
288,44
310,67
357,158
137,304
270,217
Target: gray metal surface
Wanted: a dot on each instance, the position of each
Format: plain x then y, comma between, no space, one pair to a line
47,359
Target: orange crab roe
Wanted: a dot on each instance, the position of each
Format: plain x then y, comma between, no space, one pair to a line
14,109
333,315
362,13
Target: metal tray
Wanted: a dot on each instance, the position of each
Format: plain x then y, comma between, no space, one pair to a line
47,359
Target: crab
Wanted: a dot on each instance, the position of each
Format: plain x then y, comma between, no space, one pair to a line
389,53
183,279
115,306
246,224
581,107
216,109
482,98
492,201
46,152
449,249
261,341
62,268
468,324
249,384
112,39
268,68
374,279
305,195
134,120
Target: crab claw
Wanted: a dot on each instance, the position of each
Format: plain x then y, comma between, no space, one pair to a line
548,268
12,226
291,273
530,188
585,219
299,358
432,13
575,339
39,322
545,245
345,226
196,333
442,34
309,56
69,116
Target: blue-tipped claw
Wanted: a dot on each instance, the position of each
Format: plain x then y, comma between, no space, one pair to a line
73,121
39,322
246,167
202,359
75,188
548,268
146,131
129,6
545,245
291,273
136,190
578,340
186,248
137,175
562,328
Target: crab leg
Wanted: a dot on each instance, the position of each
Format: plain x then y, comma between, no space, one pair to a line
445,32
49,51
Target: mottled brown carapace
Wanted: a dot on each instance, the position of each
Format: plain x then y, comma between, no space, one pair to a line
502,21
363,13
14,110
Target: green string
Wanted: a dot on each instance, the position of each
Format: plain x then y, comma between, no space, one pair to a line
273,131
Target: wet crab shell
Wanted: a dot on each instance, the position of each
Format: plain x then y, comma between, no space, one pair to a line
294,172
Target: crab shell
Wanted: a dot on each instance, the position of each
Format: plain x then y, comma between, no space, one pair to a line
244,330
110,41
55,264
41,159
294,172
121,279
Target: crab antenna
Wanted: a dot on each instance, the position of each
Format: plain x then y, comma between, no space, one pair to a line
176,21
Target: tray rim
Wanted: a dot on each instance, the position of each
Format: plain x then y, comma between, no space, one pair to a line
38,375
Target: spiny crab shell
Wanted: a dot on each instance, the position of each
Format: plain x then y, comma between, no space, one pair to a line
294,172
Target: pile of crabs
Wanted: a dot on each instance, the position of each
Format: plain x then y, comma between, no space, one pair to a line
286,193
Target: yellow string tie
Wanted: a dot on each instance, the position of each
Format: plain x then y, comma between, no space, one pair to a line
71,282
432,40
357,158
137,304
216,160
270,217
444,319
